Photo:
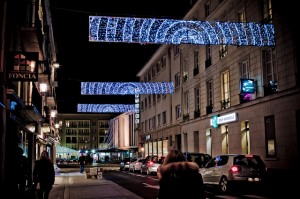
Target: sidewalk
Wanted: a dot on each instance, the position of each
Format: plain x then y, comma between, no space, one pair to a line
71,184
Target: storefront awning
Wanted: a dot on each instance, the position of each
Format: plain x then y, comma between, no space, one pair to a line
62,149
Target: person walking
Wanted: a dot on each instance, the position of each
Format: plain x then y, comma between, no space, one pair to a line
178,177
81,163
43,175
22,171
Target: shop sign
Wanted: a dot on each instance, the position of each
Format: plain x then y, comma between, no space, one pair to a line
217,120
23,66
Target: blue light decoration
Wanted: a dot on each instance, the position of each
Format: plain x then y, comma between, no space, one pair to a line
126,88
13,105
105,108
247,86
171,31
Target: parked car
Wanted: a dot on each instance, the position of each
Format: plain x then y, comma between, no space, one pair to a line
200,158
124,164
229,169
136,165
150,164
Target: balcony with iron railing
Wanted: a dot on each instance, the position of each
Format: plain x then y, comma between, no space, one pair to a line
197,113
196,71
208,63
225,103
209,109
270,88
186,117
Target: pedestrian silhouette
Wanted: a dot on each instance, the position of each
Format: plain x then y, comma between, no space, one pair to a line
43,175
81,163
22,170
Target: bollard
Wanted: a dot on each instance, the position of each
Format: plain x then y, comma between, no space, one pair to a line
100,173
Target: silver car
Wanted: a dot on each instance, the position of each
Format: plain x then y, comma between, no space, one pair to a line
226,170
150,164
136,165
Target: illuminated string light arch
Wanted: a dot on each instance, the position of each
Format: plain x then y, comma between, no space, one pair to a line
170,31
105,108
126,88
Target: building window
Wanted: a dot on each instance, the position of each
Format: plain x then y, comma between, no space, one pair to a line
142,105
267,11
186,103
146,125
196,62
153,122
176,50
245,69
178,111
164,117
186,111
177,80
164,62
242,15
158,67
209,107
208,141
149,100
149,75
270,71
225,95
270,136
185,71
196,142
208,56
197,102
158,97
206,9
245,137
146,103
153,72
225,144
223,51
158,119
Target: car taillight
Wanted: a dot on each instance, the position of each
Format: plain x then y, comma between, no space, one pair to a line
150,163
235,169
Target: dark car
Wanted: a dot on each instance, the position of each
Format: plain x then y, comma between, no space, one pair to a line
227,170
200,158
124,164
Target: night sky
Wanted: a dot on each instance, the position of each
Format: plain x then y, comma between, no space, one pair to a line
82,60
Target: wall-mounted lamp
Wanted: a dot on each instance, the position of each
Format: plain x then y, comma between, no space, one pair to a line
55,65
53,113
43,87
56,125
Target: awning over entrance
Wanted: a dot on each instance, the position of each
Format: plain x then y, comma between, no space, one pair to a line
62,149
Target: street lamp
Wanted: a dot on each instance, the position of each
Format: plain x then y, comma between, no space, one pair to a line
43,87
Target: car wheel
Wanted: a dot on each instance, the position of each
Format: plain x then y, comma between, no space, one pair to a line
224,184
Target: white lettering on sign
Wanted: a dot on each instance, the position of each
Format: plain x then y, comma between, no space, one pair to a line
232,117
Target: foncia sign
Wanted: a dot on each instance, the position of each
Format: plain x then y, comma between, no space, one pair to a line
215,121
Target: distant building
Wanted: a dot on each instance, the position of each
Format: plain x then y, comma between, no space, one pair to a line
84,131
123,134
